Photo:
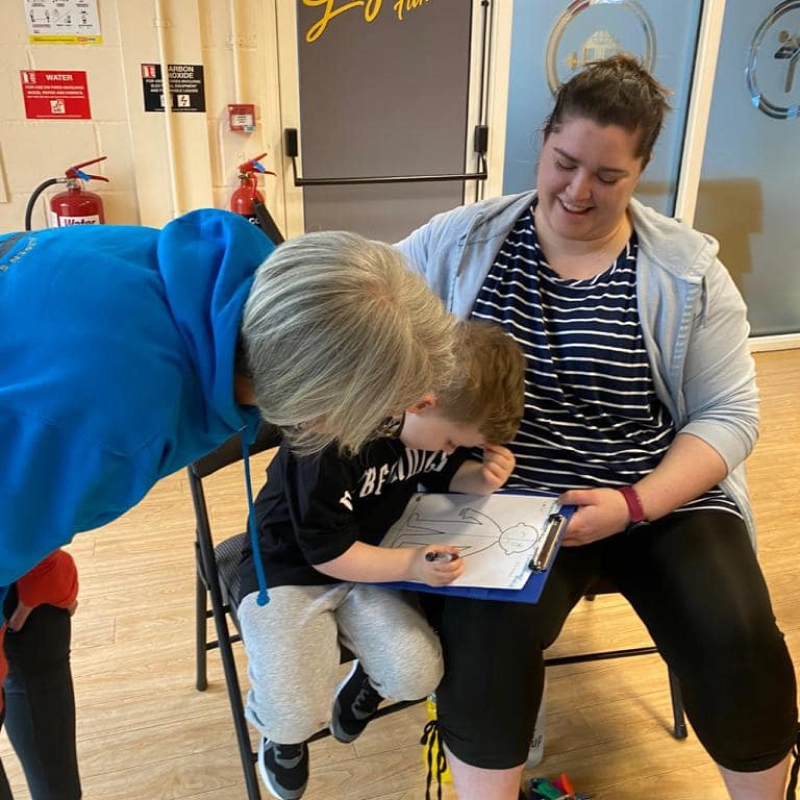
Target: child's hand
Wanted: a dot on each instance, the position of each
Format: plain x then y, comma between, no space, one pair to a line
498,464
436,565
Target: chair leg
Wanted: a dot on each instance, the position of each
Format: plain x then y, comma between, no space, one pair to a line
679,718
201,632
234,695
239,722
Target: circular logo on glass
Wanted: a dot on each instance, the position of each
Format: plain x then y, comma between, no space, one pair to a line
773,72
589,30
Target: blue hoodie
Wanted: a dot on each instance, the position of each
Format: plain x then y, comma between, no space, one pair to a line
117,348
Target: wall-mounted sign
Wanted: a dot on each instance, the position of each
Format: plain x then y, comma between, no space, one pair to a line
186,87
590,30
775,49
63,21
50,94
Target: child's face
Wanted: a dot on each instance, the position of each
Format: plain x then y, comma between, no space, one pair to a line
428,429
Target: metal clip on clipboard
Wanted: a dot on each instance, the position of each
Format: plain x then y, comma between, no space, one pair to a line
542,562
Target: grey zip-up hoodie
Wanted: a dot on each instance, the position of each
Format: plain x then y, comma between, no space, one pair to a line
693,318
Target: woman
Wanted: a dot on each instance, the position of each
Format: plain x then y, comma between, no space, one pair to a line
641,407
127,353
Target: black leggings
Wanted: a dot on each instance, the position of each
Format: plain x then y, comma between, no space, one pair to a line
40,704
694,580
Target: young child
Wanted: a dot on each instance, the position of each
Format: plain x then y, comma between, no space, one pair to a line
319,519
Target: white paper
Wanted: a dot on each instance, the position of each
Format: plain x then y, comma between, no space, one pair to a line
497,535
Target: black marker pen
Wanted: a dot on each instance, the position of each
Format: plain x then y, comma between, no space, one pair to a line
441,556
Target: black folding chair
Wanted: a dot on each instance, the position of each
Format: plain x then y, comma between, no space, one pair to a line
217,589
217,596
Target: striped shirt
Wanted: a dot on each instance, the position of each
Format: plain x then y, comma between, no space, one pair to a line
592,417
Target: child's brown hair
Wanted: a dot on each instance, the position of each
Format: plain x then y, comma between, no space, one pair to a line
490,389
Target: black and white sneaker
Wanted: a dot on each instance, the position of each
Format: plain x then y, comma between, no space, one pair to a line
283,768
354,706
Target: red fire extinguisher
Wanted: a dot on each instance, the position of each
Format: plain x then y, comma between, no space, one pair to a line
75,206
243,199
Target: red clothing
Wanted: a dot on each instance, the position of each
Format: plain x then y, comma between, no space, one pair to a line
53,581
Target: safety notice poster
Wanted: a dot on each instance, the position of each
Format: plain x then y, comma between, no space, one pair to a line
55,94
63,21
186,87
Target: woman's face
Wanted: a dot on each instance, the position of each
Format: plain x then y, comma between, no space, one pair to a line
586,176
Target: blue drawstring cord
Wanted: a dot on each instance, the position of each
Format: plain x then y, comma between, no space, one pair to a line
263,595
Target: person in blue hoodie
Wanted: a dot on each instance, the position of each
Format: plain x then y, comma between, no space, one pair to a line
128,352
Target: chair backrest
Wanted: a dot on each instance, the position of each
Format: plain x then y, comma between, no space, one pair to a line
231,451
220,572
266,222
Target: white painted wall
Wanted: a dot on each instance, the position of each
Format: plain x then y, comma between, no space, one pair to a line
159,165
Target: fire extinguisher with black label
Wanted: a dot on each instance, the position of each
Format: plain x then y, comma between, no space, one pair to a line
76,205
244,198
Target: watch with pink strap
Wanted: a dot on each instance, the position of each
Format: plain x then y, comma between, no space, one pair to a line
635,510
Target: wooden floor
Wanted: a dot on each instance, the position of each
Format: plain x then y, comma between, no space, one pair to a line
145,733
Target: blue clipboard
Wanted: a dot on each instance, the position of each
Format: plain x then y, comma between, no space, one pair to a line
540,567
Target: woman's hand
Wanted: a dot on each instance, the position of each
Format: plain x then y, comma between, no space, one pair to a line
688,468
444,567
600,513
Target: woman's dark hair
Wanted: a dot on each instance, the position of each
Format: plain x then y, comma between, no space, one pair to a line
615,91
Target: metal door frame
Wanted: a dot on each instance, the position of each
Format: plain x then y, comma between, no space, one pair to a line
487,91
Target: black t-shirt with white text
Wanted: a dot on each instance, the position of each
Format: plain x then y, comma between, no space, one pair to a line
314,508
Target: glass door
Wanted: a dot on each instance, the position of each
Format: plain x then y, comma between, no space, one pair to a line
748,194
551,40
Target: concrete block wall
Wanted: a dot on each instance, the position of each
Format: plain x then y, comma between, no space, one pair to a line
159,165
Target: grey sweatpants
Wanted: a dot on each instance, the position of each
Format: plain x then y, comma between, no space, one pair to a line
293,652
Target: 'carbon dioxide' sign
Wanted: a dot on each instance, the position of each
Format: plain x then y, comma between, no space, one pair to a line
186,87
